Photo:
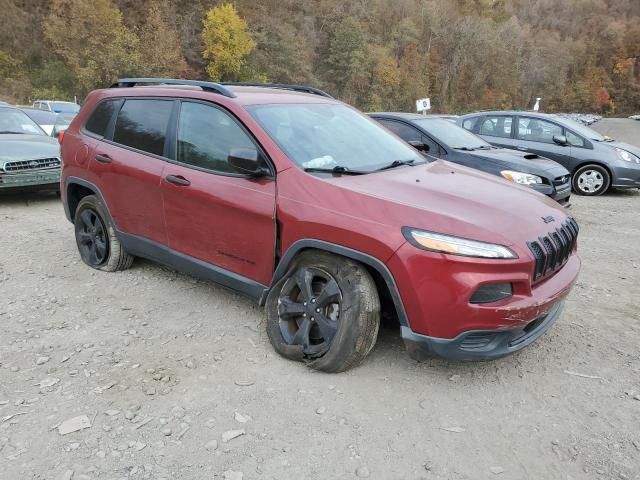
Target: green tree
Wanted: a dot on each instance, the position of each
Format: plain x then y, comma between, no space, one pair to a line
14,82
160,50
90,37
347,60
226,43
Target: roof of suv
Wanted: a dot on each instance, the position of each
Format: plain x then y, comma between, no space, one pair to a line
243,93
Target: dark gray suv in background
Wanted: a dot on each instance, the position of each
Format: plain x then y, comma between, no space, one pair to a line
596,162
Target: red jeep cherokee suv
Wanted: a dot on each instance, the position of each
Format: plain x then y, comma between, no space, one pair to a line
287,195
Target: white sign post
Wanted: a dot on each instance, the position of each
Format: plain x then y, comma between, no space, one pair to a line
423,105
536,107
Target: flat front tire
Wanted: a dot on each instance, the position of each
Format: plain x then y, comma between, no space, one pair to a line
324,312
96,239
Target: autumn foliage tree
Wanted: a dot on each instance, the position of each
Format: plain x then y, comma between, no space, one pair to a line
160,49
89,35
226,42
376,54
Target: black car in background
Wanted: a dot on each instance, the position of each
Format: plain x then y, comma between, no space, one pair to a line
440,138
596,162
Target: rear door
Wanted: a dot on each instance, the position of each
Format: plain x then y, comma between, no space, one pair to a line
128,163
497,130
212,212
535,135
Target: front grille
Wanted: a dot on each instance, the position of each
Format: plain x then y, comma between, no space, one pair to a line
553,250
561,180
27,165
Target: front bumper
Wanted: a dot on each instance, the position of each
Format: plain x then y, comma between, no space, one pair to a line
478,345
33,180
559,193
625,177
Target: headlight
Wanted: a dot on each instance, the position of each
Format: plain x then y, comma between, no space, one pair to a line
521,178
627,156
437,242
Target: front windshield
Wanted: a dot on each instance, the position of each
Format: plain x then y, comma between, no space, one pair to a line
331,135
450,134
64,107
582,130
17,122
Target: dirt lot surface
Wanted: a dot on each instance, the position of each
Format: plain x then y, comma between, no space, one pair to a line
177,379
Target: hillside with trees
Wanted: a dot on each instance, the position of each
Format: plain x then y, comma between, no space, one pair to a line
579,55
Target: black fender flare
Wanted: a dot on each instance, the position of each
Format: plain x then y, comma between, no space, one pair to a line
370,261
83,183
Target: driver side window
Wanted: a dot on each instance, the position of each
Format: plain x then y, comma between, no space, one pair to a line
206,137
409,134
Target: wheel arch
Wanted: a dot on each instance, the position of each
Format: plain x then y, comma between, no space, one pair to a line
593,162
385,283
75,190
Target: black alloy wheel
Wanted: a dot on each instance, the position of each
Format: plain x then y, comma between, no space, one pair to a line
309,310
92,238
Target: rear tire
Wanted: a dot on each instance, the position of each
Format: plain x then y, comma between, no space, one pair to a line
96,238
591,180
324,312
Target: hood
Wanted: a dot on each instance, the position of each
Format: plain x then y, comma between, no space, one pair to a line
521,161
27,147
452,199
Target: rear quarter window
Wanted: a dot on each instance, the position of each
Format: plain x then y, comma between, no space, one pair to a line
142,124
99,119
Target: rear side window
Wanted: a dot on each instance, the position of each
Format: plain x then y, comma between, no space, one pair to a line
99,120
496,126
206,137
142,124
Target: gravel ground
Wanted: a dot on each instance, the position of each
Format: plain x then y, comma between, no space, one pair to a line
173,378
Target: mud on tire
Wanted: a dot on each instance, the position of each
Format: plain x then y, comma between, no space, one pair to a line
324,312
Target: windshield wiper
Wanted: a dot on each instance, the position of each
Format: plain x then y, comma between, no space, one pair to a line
484,147
466,149
396,163
338,170
11,132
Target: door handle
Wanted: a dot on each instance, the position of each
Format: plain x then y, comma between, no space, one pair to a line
178,180
524,149
103,158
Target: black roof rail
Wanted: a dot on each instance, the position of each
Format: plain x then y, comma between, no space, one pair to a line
206,86
283,86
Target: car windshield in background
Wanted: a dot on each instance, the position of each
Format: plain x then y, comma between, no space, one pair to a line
65,118
582,130
64,107
13,121
325,136
450,134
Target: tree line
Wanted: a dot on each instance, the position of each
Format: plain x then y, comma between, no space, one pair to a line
578,55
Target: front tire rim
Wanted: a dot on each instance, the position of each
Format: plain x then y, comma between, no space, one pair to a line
590,181
92,238
309,309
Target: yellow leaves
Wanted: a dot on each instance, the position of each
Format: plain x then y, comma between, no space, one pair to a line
226,42
622,67
387,73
